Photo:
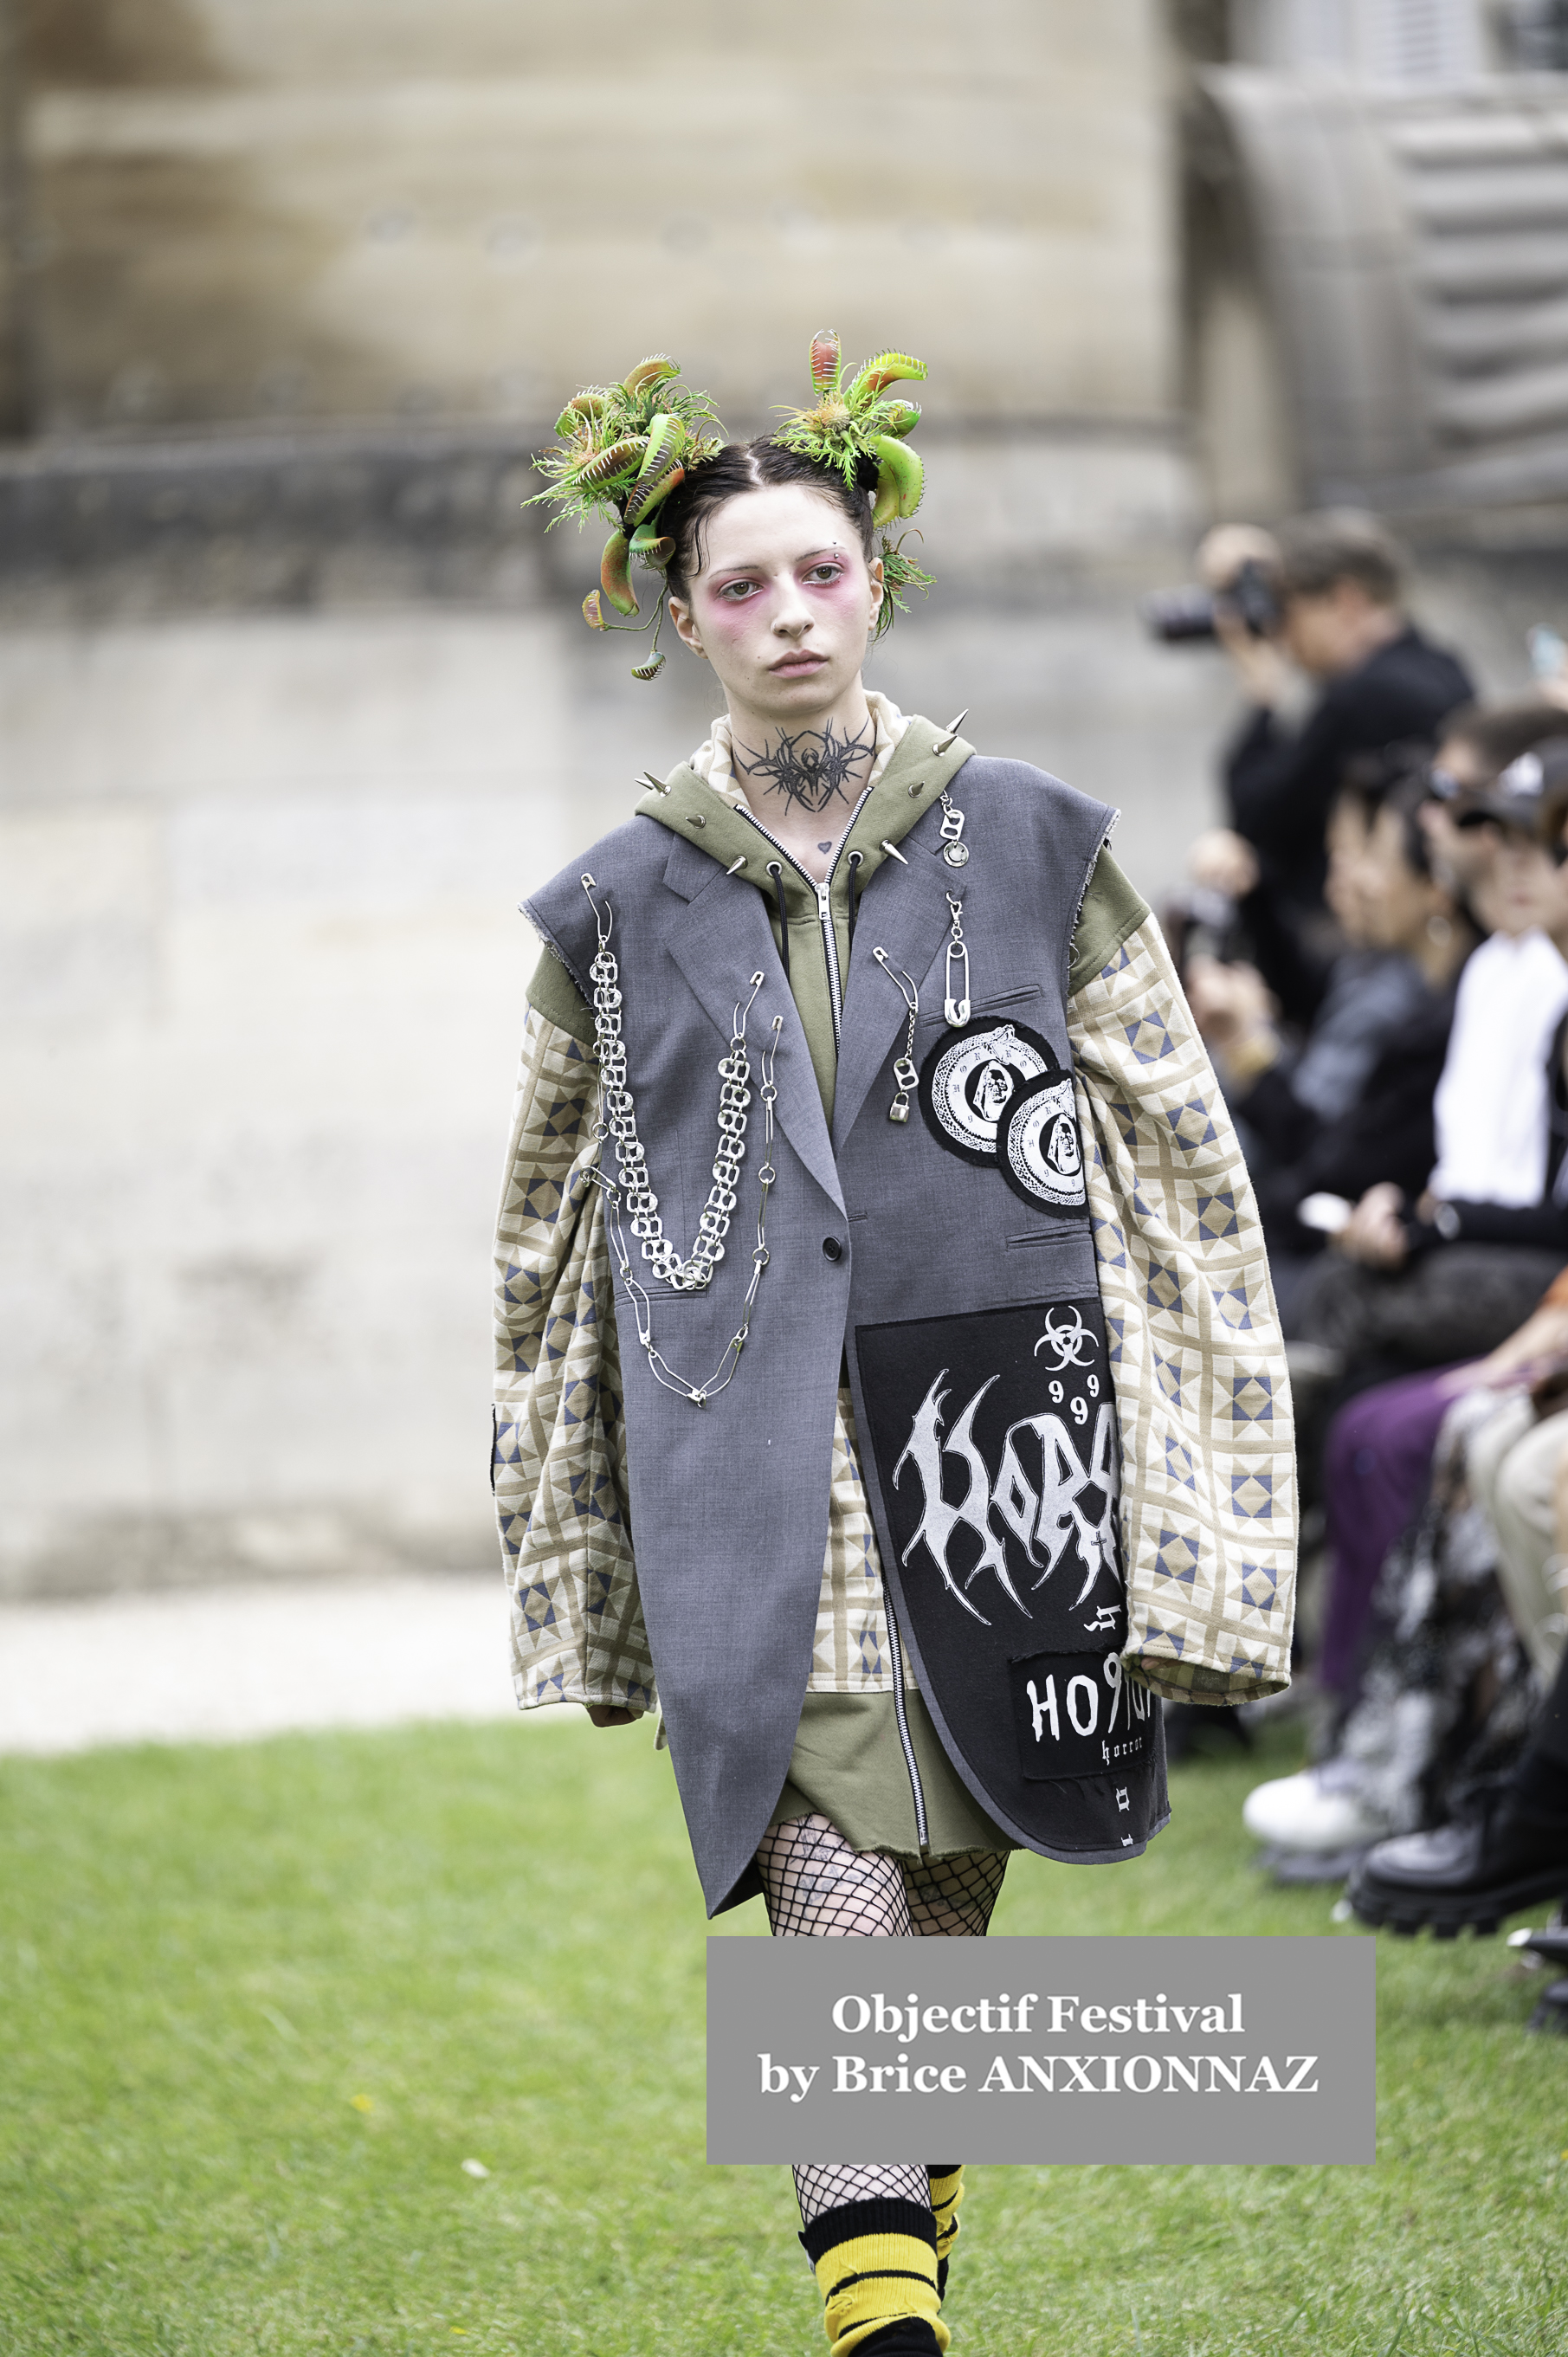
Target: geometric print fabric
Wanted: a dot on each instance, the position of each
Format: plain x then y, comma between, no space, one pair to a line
1197,1362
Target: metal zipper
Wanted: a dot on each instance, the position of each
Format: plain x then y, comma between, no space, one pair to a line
835,999
824,907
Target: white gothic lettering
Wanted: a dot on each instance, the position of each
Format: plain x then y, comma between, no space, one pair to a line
1041,1493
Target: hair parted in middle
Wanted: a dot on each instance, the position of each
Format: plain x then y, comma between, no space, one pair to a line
638,455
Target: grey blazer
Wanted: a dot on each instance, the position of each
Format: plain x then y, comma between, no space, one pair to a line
950,1258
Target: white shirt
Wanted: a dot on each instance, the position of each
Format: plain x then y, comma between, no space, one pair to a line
1491,1108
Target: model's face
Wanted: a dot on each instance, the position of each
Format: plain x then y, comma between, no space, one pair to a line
784,604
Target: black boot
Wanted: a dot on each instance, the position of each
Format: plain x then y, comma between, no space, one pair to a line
1475,1871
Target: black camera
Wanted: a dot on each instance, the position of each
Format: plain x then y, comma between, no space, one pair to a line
1179,617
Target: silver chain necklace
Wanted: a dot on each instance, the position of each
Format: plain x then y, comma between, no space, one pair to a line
617,1119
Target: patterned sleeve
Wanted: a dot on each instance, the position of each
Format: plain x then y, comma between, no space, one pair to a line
1202,1393
558,1466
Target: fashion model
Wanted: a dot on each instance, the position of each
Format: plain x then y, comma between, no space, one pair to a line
890,1391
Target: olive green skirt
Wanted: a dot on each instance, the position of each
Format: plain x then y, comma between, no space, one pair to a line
848,1765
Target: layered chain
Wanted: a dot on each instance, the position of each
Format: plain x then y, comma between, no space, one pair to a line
632,1190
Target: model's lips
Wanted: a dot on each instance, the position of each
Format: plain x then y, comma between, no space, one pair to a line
802,661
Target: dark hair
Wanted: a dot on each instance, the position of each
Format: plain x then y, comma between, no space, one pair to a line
1405,802
1499,732
1398,778
1318,552
742,467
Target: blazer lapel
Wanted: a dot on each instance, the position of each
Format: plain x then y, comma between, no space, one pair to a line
718,942
904,912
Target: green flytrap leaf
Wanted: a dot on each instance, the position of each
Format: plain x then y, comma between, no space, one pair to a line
624,448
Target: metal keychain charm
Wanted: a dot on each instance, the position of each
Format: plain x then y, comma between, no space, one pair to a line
955,851
904,1071
956,1009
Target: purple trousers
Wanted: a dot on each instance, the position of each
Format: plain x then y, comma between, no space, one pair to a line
1376,1464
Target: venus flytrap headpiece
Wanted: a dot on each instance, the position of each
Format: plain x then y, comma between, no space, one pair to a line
854,426
627,447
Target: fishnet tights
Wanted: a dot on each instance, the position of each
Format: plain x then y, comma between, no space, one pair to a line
816,1887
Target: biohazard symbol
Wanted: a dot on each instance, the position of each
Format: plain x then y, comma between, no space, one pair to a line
1068,1342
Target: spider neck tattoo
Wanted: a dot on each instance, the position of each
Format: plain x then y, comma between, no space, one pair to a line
811,769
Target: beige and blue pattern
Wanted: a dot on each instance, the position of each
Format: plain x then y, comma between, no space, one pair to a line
1208,1494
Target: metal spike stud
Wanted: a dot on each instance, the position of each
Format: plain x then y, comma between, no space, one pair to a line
953,727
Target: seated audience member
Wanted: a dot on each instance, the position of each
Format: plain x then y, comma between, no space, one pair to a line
1472,1597
1508,1850
1447,1282
1477,744
1340,584
1503,1844
1448,1692
1447,1277
1356,1105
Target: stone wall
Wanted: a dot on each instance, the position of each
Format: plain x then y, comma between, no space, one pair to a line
302,281
329,207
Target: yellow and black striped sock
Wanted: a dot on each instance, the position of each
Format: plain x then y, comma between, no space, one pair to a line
876,2269
947,2193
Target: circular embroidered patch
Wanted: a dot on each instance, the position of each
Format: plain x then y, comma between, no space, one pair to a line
970,1079
1041,1152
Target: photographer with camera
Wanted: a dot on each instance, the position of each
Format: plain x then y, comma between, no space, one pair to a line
1322,598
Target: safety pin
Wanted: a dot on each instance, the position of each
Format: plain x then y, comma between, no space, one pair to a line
607,922
738,1033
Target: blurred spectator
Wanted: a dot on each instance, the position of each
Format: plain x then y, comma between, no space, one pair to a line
1447,1277
1446,1694
1356,1105
1343,624
1502,1843
1477,744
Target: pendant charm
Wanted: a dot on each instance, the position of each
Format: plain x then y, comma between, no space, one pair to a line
904,1069
954,849
908,1078
956,1004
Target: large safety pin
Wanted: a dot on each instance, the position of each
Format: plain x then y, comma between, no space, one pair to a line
607,922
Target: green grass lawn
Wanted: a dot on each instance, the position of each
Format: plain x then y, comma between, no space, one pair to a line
259,2006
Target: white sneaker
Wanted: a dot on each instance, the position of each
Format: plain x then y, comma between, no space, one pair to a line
1317,1809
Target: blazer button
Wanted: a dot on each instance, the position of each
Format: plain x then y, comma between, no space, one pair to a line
832,1248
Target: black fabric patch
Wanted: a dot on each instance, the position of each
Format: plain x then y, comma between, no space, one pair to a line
1078,1715
970,1079
1041,1148
994,1450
